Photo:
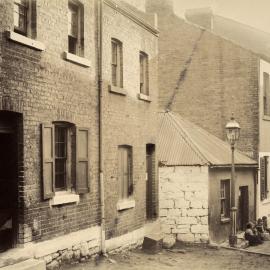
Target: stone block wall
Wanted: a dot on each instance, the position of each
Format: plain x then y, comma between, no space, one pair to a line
184,203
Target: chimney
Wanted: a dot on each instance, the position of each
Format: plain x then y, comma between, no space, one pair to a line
159,6
200,16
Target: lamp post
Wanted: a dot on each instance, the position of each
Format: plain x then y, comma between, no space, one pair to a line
233,133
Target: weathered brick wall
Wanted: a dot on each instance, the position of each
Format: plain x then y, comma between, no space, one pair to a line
127,120
210,78
51,89
184,203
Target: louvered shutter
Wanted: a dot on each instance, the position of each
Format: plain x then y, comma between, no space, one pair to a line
263,176
48,161
82,160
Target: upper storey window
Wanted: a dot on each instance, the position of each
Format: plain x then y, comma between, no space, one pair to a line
144,80
75,29
24,17
266,94
117,63
20,16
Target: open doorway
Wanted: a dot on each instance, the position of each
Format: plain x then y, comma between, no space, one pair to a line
243,207
8,179
150,181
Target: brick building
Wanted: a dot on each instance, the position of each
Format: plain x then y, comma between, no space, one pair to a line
50,124
216,67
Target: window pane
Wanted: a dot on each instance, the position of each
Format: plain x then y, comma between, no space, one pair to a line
60,173
125,171
73,21
20,17
72,45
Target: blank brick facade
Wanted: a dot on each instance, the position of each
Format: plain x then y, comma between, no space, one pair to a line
207,77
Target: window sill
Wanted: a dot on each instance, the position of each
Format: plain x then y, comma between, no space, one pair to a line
125,204
117,90
144,97
77,59
64,198
266,118
34,44
224,220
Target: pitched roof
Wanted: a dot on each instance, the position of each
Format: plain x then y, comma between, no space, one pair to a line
183,143
245,36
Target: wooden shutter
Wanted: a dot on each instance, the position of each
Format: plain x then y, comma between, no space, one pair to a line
82,160
48,161
263,177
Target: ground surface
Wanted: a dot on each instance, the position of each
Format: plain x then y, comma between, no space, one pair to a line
194,259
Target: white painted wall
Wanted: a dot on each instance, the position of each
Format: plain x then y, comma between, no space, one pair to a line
184,202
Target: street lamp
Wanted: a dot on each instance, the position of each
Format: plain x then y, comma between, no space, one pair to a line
233,134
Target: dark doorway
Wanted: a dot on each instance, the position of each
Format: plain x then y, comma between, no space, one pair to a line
8,180
243,207
150,181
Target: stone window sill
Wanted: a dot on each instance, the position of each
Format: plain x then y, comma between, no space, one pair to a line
144,97
77,59
266,117
224,220
125,204
34,44
64,198
117,90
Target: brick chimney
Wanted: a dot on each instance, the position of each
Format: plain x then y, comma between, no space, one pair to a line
159,6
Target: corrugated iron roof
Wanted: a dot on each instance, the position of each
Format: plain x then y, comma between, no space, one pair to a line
183,143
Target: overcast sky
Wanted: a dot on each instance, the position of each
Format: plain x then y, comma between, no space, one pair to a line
255,13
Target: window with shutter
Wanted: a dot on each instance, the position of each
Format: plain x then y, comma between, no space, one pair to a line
82,160
48,161
65,159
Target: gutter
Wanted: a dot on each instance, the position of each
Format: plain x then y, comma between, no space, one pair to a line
100,90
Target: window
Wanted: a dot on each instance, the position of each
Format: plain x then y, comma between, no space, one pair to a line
225,198
75,29
24,19
117,63
144,81
264,177
266,94
64,158
125,171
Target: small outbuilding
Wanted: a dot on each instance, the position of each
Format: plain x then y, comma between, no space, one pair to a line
195,182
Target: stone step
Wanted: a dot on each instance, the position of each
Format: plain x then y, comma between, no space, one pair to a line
30,264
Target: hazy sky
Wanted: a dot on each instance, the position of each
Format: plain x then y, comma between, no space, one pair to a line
252,12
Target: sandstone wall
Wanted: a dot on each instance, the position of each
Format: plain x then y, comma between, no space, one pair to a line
184,203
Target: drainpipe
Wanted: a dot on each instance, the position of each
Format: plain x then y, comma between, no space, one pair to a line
100,88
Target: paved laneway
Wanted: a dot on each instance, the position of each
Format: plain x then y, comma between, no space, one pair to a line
193,259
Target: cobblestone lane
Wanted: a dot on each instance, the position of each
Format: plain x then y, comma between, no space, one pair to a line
194,258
